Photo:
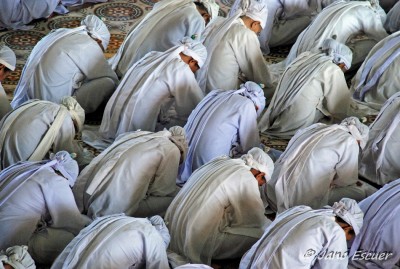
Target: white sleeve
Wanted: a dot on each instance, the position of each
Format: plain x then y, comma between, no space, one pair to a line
61,205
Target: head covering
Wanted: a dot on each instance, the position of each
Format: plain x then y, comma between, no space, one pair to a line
338,51
18,257
75,110
256,10
212,8
178,137
194,49
255,93
259,160
7,57
67,166
358,130
349,211
97,29
161,228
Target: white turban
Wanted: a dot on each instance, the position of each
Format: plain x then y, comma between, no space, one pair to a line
338,51
96,27
161,228
349,211
178,137
212,8
358,130
18,257
67,166
255,93
194,49
257,159
75,110
257,10
7,57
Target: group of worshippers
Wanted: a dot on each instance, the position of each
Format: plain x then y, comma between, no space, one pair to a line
182,178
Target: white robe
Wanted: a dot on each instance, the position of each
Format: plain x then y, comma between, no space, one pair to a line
44,199
300,238
379,159
222,124
237,58
5,106
115,242
392,21
384,86
380,233
71,65
15,14
343,20
136,175
144,96
319,167
162,28
28,129
218,213
311,88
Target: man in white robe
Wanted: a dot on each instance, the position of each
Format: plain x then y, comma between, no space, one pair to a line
219,213
16,14
224,123
16,257
136,175
376,80
234,51
285,21
319,167
379,237
69,62
36,128
379,159
7,64
312,88
118,241
343,20
158,82
37,206
303,238
168,22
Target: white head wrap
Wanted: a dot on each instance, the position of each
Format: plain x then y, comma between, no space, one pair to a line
349,211
97,29
75,110
255,93
178,137
358,130
257,159
161,228
18,257
257,10
338,51
194,49
7,57
212,8
67,166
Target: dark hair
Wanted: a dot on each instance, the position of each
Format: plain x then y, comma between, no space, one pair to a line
201,6
6,69
339,219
